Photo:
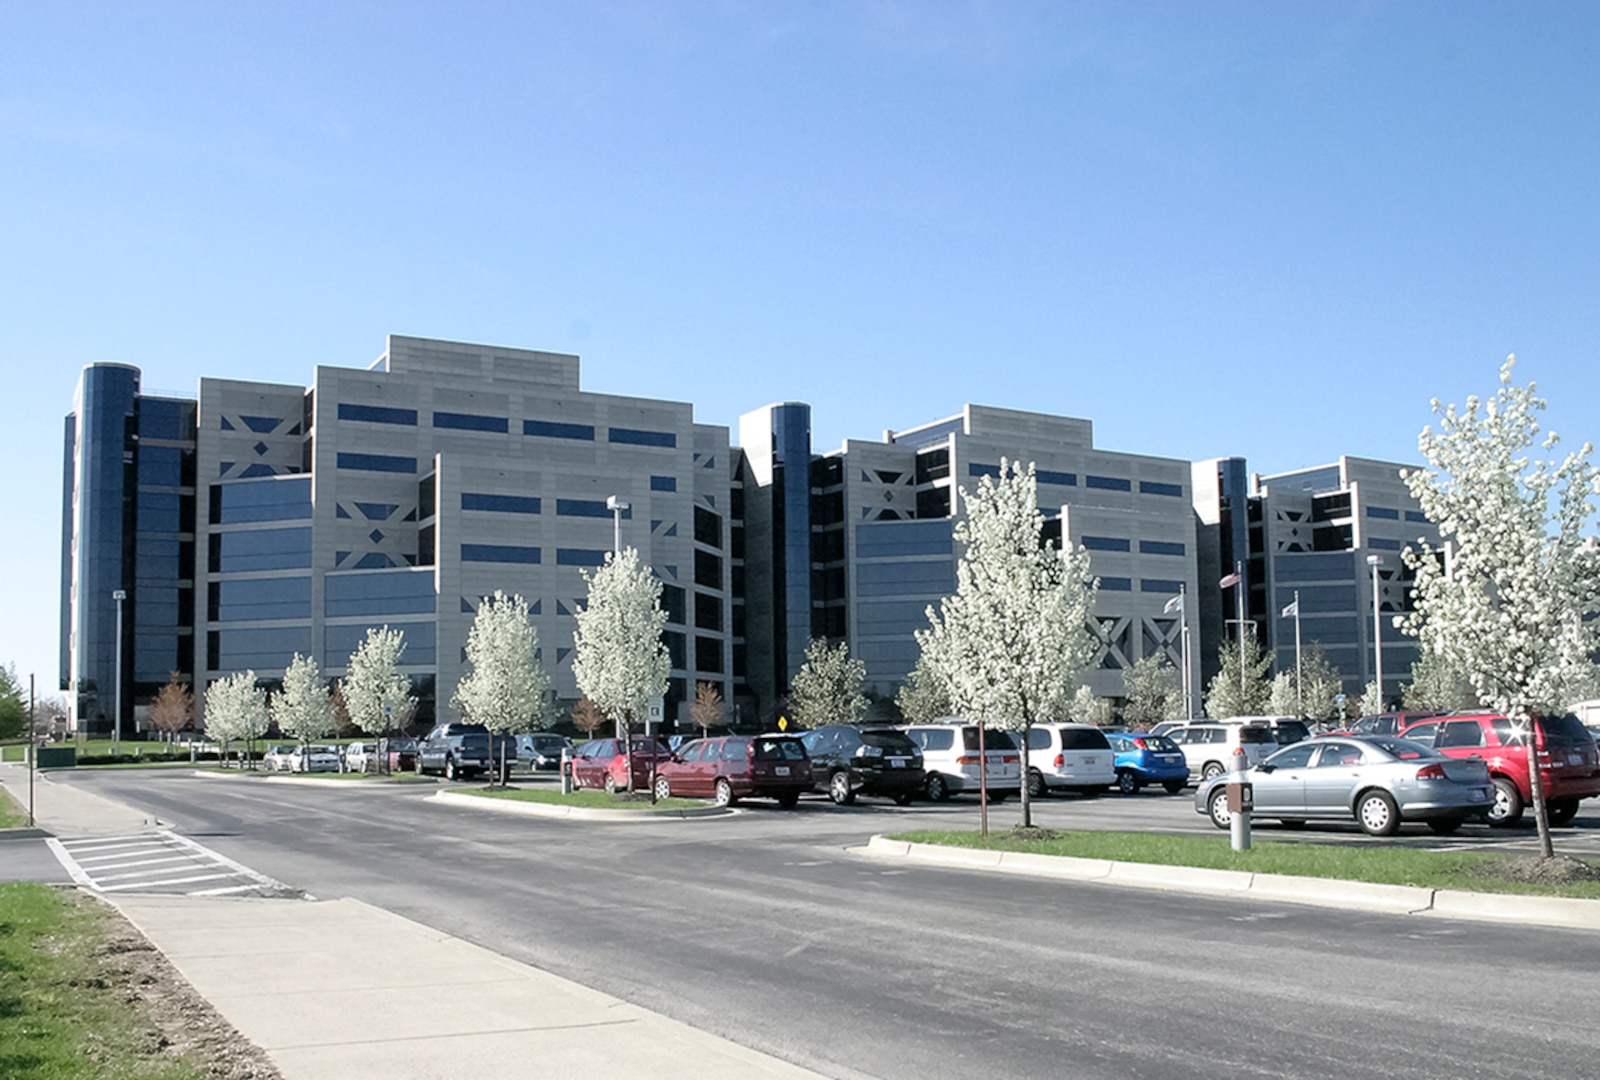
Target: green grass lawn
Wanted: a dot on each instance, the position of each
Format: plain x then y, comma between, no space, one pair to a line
13,815
598,800
1467,870
60,1019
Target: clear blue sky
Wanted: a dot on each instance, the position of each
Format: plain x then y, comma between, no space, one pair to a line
1267,230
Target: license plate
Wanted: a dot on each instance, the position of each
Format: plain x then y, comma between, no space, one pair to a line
781,770
1088,761
1574,759
897,763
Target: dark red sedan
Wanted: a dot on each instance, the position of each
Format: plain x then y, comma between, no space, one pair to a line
603,763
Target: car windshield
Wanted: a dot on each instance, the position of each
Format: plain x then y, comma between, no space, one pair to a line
893,742
1257,733
779,750
1291,731
1083,739
1564,731
992,740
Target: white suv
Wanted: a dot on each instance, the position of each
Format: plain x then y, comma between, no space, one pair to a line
950,759
1069,757
1208,745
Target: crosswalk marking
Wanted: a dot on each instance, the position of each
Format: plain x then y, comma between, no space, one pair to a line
159,862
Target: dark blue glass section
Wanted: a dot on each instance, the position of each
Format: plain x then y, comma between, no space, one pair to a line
1116,584
376,511
400,592
635,437
1154,487
288,499
879,540
580,557
503,553
1104,543
1159,547
974,469
374,560
263,598
338,642
1383,512
550,429
266,649
469,422
377,414
1383,545
1108,483
663,483
587,508
935,577
166,419
262,425
157,560
159,511
378,463
504,504
162,465
1064,479
264,549
251,472
1160,585
1323,566
1417,516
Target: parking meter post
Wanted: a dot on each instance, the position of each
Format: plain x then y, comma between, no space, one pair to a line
566,770
1241,801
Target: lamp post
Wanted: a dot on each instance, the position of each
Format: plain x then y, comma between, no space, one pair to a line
119,595
1178,604
618,507
1376,561
1299,689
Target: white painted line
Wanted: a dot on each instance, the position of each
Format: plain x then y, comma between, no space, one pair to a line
146,873
131,853
223,860
68,862
225,890
158,884
109,843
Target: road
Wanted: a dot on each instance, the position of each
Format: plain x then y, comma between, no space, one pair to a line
761,928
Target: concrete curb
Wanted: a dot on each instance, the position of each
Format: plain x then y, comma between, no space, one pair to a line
576,813
1318,892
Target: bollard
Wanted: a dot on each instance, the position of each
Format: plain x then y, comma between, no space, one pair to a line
1241,800
566,770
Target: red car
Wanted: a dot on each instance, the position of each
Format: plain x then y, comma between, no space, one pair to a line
603,763
1569,767
738,767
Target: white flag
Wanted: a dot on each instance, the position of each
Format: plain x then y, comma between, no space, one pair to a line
1175,604
1292,610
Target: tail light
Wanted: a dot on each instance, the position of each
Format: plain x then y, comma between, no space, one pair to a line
1140,744
1431,772
1061,760
967,759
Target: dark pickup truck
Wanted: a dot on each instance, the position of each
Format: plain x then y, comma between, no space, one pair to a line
462,751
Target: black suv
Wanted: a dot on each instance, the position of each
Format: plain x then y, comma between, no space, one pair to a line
849,761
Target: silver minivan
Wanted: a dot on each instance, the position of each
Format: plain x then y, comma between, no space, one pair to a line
1208,746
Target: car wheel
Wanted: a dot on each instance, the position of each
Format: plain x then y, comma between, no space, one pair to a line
1036,788
450,770
1217,808
789,800
1507,806
1444,826
724,792
938,789
1212,769
663,788
1174,786
1127,783
1562,811
416,767
1378,814
839,789
611,784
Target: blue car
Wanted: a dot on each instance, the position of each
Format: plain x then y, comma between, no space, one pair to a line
1142,758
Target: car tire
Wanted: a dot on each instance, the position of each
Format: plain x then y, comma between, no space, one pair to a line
450,770
611,784
663,788
839,789
1446,826
724,792
1506,810
416,766
1211,769
1217,808
1174,786
789,800
996,800
1128,783
903,799
1378,814
1036,785
1560,812
938,788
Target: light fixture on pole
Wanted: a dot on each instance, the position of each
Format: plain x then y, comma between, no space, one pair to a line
618,507
1376,561
1299,692
119,595
1178,604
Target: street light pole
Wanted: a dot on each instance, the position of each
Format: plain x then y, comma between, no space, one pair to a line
617,507
119,595
1376,561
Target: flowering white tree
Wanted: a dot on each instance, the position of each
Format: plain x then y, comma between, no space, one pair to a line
1231,694
828,688
1154,692
507,690
236,708
302,709
1086,708
1508,602
376,693
1285,700
1013,638
1436,688
618,656
922,696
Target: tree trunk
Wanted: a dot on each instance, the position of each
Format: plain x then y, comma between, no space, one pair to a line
1027,800
1541,816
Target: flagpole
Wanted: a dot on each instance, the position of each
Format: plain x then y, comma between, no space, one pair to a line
1299,687
1188,679
1238,603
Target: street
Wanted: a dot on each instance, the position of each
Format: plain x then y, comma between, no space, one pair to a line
760,928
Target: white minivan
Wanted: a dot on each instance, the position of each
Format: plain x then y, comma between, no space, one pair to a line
1069,757
950,759
1208,745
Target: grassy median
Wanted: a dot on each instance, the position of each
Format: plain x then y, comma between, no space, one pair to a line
1467,870
13,815
588,798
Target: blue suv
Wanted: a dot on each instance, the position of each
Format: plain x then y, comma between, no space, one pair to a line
1143,759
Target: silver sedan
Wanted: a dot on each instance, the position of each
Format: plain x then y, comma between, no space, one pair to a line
1377,780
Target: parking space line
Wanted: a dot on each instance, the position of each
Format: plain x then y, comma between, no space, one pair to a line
159,884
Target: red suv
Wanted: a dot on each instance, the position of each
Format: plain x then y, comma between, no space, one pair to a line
1569,767
603,763
737,767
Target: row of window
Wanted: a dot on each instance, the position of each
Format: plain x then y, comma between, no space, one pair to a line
514,553
1146,547
1102,483
1386,514
548,429
1155,585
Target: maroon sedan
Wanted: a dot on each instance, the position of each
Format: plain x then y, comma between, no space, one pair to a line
603,763
401,754
738,767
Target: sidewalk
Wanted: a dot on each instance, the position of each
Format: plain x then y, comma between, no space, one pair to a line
68,810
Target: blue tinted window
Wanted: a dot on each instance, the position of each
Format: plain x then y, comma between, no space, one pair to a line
1153,487
266,649
1160,585
635,437
1065,479
165,419
469,422
373,560
1417,515
1108,483
549,429
156,560
1383,512
258,469
270,598
401,592
161,465
974,469
262,425
588,508
377,414
1116,584
277,500
506,553
663,483
936,577
888,540
1104,543
378,463
159,511
1384,545
264,549
504,504
338,642
376,511
580,557
1159,547
1323,566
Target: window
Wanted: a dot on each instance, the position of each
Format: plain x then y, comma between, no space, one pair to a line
1064,479
974,469
673,603
502,504
1417,516
933,465
708,654
264,648
1383,512
663,483
403,592
1461,733
636,437
1104,543
499,553
1296,757
707,612
1159,547
587,508
261,549
580,557
377,463
708,570
933,502
1108,483
898,541
1116,584
261,598
1159,585
338,642
469,422
707,527
550,429
377,414
1379,544
1153,487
